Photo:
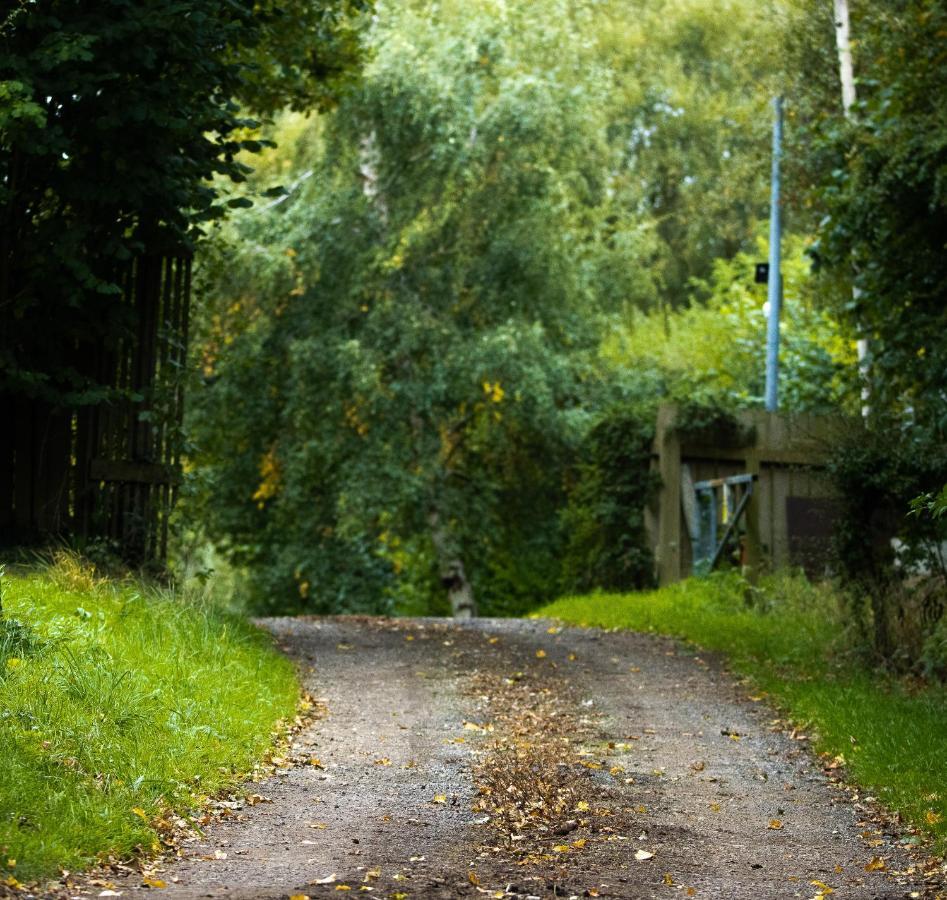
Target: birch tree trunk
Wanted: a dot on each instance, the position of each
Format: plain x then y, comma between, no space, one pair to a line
452,573
843,43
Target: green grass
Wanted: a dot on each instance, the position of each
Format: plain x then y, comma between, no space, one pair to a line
117,703
792,641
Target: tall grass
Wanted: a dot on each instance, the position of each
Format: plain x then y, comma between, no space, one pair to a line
796,642
118,702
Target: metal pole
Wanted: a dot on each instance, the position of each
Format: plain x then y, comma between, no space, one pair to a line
775,292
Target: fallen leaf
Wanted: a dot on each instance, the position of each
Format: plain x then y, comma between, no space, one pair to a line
319,825
299,897
642,855
774,825
668,880
582,806
877,864
328,879
316,763
824,889
572,657
553,629
138,811
579,844
384,761
715,807
473,879
342,887
540,654
562,848
153,882
691,892
439,798
933,818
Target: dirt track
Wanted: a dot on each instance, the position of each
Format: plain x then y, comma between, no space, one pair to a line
646,772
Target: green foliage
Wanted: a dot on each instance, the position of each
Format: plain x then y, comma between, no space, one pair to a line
426,355
411,334
604,520
796,643
885,198
713,350
882,548
113,116
119,698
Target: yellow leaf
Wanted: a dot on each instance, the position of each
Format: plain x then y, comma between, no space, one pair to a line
138,811
473,879
13,662
561,848
824,889
409,637
572,657
540,654
399,895
933,818
494,640
668,880
579,844
877,864
553,629
11,863
342,887
582,806
299,897
320,825
384,761
153,882
691,892
439,798
774,825
316,763
715,807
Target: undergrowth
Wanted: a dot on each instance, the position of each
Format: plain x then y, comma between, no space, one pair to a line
119,702
794,641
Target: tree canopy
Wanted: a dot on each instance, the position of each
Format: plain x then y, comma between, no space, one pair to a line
114,117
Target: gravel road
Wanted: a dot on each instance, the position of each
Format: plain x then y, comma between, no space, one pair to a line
648,772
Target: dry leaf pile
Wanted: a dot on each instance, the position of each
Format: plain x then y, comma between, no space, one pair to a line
545,796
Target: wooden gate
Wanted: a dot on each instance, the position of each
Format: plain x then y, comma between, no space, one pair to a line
107,470
791,514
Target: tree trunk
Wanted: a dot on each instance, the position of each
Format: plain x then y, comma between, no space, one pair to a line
453,575
847,76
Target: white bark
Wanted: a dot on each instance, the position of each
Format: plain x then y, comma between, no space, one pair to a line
452,573
847,75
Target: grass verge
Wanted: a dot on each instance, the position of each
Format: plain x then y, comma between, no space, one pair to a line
119,703
793,641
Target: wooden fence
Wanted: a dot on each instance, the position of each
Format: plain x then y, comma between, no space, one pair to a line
791,513
107,470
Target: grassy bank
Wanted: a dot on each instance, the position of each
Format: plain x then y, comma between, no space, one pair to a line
118,702
792,639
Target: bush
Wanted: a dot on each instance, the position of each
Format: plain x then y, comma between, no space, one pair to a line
607,545
891,560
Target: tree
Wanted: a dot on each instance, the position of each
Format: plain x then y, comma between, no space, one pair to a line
113,118
414,369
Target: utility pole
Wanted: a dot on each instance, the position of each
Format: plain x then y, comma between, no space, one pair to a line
847,75
775,281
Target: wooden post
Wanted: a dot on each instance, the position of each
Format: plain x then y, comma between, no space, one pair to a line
669,519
